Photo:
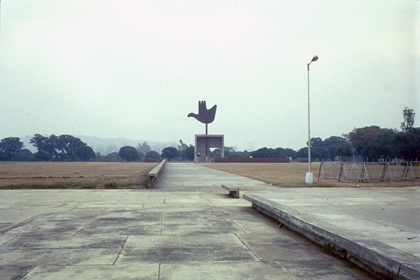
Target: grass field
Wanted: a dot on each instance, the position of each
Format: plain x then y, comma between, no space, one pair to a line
293,175
75,175
122,175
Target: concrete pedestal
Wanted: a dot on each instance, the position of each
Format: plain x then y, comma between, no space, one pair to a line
204,142
309,178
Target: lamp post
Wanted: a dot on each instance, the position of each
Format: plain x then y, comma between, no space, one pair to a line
309,175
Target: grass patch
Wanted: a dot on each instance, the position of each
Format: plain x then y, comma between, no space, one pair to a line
74,175
293,175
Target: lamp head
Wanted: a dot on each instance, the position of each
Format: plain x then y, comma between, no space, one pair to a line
315,58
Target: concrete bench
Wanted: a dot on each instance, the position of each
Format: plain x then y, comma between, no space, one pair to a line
233,191
154,173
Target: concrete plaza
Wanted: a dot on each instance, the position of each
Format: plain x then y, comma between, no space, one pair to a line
186,227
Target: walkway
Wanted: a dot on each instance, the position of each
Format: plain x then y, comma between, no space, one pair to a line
187,227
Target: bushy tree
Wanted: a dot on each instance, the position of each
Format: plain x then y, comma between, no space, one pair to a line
10,147
317,153
360,138
62,148
406,145
169,153
274,153
262,153
128,153
45,145
153,155
112,157
239,154
85,153
68,146
333,144
24,155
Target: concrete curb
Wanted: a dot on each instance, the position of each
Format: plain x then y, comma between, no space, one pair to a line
154,173
380,259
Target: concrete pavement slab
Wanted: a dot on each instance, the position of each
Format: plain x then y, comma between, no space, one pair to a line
67,257
169,249
224,270
193,230
111,272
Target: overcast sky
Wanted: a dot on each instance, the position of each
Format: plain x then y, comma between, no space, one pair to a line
135,69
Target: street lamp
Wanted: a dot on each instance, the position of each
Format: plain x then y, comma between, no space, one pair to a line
309,175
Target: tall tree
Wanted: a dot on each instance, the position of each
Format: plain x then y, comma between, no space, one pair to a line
45,146
408,122
188,153
182,146
67,146
10,147
143,148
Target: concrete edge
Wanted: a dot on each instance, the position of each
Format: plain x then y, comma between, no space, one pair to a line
376,257
233,191
154,173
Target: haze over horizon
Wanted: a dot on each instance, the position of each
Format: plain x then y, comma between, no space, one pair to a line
135,69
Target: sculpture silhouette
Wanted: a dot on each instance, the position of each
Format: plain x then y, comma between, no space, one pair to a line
204,115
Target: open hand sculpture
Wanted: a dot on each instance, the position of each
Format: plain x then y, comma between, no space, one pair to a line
204,115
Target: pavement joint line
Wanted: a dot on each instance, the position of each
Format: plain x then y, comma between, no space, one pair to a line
119,253
236,224
210,207
23,276
84,227
10,240
161,223
240,239
25,222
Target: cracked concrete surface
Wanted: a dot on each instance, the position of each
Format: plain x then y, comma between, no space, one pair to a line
186,227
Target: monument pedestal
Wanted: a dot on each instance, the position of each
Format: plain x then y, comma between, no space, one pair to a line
204,142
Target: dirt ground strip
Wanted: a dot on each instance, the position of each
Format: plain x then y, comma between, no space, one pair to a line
294,174
79,175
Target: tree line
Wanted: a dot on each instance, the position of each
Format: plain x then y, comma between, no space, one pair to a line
370,143
70,148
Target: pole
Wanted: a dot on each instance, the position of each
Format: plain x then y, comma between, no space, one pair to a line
309,127
309,175
206,143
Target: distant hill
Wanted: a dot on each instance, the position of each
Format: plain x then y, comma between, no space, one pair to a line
106,146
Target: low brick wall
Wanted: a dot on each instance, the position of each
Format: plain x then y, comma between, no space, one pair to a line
233,160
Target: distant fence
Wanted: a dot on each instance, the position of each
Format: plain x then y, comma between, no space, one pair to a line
370,171
259,160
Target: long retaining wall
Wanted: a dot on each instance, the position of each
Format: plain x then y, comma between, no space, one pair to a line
154,173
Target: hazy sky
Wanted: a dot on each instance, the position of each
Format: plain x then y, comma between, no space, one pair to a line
135,69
